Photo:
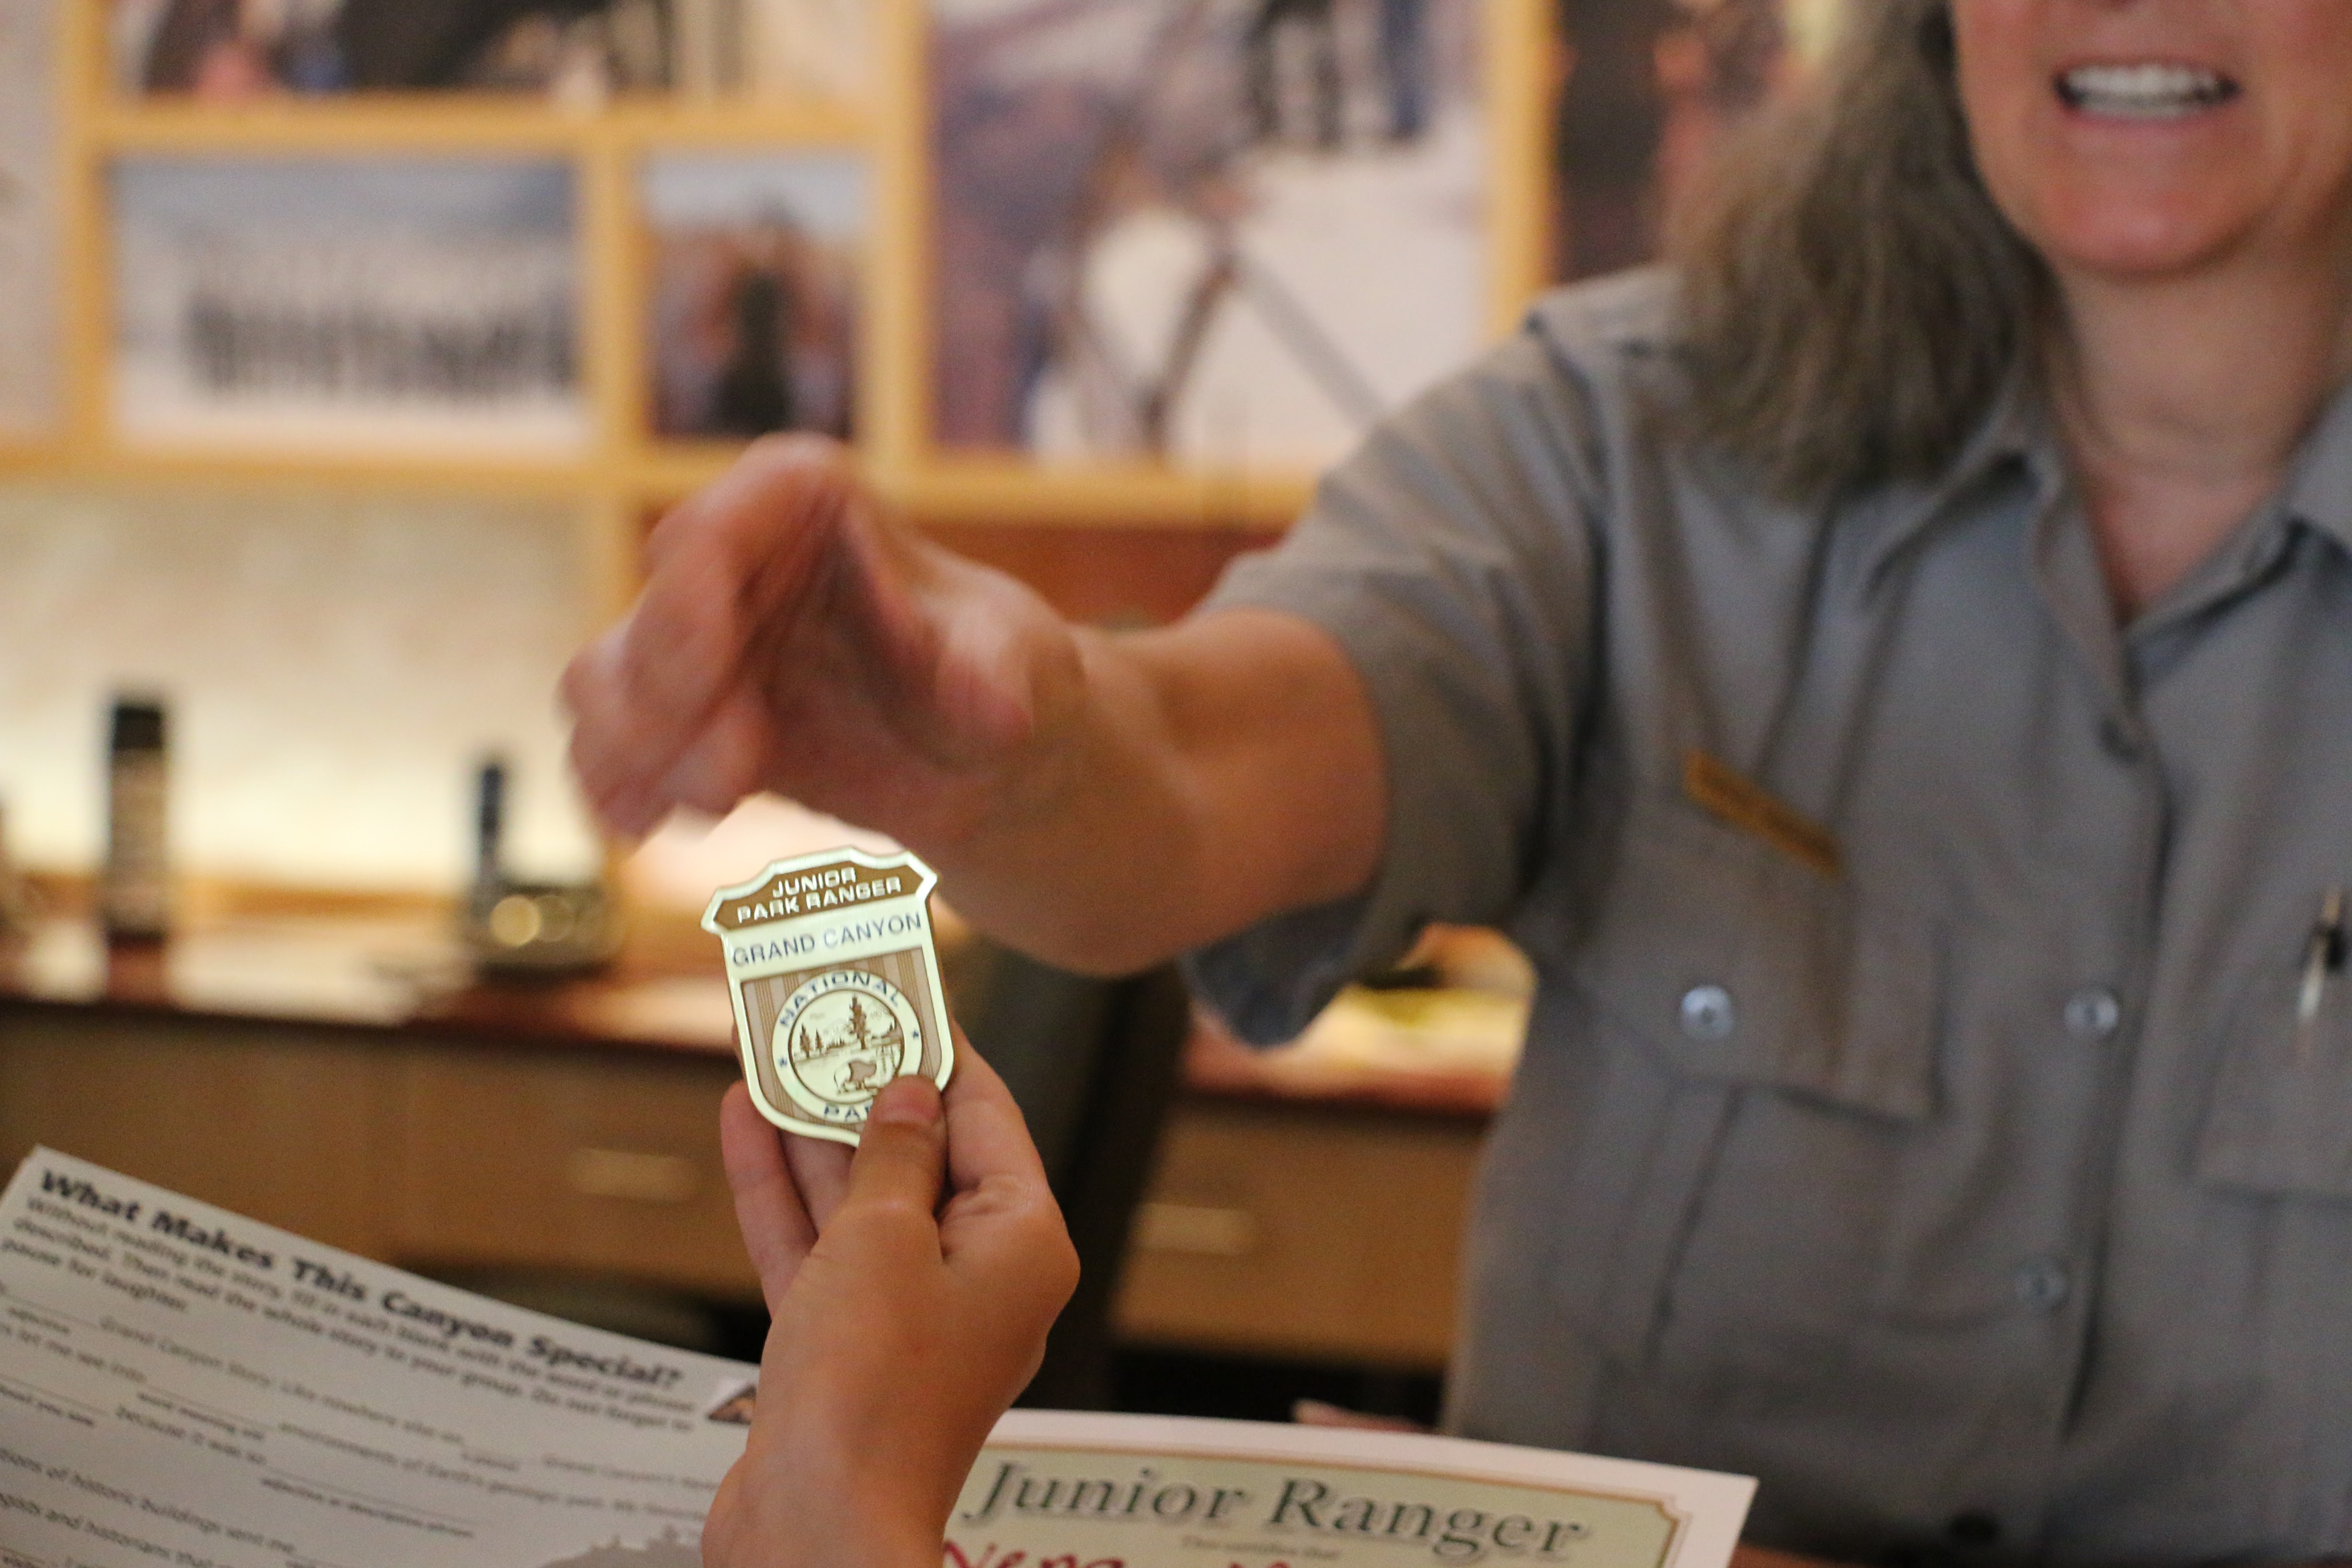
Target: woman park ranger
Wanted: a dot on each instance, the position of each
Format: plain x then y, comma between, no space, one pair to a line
1892,671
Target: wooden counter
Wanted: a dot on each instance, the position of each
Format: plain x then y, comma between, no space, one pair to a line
344,1078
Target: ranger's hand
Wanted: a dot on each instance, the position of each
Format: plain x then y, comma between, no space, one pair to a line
791,638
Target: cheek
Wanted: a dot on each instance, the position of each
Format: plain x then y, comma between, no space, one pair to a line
2315,35
2307,45
2001,94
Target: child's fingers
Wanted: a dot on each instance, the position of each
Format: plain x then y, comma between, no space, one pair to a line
821,1171
1003,1231
777,1229
902,1153
986,1134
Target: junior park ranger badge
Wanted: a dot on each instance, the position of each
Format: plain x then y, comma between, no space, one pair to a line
837,985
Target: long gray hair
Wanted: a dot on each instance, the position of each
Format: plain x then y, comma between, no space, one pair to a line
1854,299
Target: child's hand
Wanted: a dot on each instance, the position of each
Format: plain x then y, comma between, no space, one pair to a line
899,1337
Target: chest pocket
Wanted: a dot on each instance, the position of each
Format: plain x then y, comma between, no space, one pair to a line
1736,963
1767,1050
2280,1119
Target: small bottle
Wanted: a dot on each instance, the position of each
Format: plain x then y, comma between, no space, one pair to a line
489,823
489,884
134,893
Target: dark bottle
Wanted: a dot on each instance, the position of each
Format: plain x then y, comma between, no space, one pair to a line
134,899
489,823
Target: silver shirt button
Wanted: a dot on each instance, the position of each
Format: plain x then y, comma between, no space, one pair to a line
1707,1014
2043,1284
2092,1013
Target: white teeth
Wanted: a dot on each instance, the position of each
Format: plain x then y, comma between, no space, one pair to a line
2143,91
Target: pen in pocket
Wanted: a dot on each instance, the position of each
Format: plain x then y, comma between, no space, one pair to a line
2323,955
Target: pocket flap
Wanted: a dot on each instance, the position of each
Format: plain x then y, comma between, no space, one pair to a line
2280,1119
1738,962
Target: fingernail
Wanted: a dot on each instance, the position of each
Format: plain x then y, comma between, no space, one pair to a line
911,1100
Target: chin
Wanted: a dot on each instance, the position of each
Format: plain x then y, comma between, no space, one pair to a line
2131,240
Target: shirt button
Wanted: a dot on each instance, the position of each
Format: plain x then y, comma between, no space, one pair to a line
2092,1013
2042,1284
1707,1014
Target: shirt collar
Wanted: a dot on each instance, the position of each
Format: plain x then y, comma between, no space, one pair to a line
2016,430
2318,492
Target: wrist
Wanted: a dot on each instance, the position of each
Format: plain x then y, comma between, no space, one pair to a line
886,1551
869,1507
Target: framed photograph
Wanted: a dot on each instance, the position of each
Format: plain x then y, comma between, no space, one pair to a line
355,305
756,280
31,354
577,50
1218,234
237,50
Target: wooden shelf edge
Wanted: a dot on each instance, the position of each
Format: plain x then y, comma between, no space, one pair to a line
655,476
457,122
30,457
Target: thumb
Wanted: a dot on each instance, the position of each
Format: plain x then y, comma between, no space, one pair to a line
902,1153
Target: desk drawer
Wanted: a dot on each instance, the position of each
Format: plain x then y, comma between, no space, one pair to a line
274,1121
1332,1236
559,1161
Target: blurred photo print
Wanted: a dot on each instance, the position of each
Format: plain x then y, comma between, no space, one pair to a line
1653,88
367,304
29,348
753,307
1152,220
230,50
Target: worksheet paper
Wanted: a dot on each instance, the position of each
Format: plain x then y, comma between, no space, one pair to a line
180,1385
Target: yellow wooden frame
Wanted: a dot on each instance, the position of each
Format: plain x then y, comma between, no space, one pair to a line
624,471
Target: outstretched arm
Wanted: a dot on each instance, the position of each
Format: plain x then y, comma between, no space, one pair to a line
1103,801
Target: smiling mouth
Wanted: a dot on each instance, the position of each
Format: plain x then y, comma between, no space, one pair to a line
2143,91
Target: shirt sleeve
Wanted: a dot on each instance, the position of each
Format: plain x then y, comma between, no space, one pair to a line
1453,558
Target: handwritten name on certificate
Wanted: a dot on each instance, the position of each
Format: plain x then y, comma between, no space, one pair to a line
181,1385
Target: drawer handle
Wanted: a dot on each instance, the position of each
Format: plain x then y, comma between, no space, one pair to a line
638,1178
1195,1228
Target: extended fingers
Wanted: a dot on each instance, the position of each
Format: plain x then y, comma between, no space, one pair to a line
720,566
724,763
639,695
777,1228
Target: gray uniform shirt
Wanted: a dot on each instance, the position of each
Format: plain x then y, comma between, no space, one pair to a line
1984,1198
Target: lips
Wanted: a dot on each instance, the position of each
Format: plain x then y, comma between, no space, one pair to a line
2143,90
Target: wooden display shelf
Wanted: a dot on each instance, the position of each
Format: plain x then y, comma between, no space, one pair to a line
30,453
621,471
656,477
979,492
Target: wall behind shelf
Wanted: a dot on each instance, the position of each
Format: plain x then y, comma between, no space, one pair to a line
335,664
